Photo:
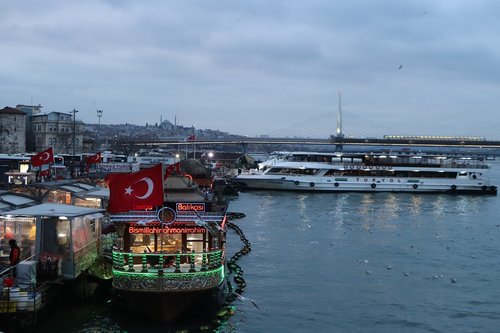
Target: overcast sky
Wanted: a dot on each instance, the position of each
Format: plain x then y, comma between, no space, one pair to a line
254,67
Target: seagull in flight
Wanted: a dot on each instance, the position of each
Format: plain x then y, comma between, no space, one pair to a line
400,66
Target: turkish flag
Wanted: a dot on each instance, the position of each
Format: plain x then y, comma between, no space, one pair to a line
44,173
93,159
135,191
44,157
171,168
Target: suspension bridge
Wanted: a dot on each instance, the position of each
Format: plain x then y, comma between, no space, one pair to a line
344,128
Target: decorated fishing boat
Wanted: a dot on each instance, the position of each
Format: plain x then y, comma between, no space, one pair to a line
357,172
169,256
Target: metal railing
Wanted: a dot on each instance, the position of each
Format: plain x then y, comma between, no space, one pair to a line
162,263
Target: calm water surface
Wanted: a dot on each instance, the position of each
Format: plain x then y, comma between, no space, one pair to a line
351,262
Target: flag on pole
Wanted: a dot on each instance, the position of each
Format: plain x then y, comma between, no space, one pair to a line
135,191
94,159
171,168
44,157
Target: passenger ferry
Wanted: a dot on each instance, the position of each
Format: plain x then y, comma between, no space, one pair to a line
170,262
356,172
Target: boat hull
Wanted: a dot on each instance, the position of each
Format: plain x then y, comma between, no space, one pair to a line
362,185
170,307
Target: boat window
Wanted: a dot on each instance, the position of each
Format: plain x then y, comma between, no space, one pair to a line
22,229
195,242
170,243
141,243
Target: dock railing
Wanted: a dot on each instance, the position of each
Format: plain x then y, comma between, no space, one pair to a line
20,292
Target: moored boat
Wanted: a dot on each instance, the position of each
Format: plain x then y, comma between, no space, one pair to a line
357,172
169,261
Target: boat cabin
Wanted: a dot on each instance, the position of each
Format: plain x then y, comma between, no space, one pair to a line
66,235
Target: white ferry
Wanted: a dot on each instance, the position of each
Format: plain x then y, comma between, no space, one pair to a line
357,172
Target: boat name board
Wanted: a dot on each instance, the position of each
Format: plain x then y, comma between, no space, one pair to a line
185,207
391,180
159,230
371,167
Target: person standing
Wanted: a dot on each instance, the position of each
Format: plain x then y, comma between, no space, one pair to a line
15,252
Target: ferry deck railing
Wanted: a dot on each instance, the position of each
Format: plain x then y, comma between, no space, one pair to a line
423,162
168,271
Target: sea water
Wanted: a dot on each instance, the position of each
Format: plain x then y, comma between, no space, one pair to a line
349,262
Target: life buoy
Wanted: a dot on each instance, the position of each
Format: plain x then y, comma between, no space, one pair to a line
311,184
453,187
336,184
373,185
296,182
415,186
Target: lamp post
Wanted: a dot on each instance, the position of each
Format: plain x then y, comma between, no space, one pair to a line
99,115
74,131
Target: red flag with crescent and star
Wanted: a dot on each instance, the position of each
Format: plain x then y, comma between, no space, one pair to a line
135,191
94,159
44,157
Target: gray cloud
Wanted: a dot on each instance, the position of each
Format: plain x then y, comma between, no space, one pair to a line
254,67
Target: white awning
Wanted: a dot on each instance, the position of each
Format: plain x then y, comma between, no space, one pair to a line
72,188
100,192
16,199
53,209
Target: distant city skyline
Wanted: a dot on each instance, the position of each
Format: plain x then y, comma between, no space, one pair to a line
254,68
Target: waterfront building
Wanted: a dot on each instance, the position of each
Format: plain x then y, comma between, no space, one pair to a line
57,130
12,131
30,111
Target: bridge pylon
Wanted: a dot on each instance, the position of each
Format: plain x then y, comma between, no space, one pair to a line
338,132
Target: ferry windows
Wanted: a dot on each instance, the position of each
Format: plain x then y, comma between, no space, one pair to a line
170,243
195,242
140,243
